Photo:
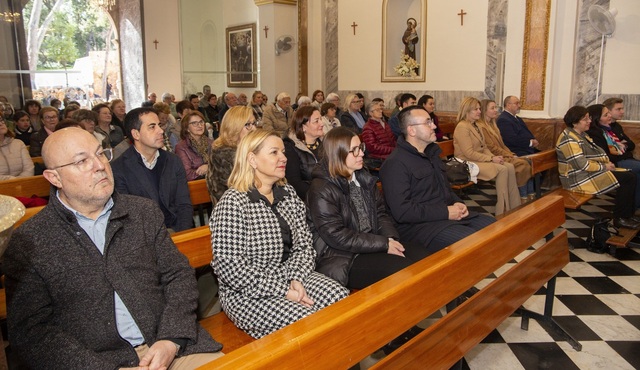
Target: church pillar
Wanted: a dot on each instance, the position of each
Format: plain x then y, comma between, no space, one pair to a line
278,67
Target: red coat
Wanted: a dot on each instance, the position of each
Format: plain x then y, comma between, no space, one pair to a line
379,140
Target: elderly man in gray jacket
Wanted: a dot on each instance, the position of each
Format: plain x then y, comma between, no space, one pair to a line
94,280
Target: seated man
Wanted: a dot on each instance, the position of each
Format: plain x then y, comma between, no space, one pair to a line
278,116
416,189
406,100
149,172
515,133
102,286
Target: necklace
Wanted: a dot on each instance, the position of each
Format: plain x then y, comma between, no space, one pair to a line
313,146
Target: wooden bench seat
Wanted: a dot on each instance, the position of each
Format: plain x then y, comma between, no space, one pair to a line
200,199
26,187
342,334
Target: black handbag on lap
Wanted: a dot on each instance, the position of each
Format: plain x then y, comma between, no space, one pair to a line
457,171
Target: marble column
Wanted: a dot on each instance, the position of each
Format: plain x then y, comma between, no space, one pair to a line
128,20
331,46
496,44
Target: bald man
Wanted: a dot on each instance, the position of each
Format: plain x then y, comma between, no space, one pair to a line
93,280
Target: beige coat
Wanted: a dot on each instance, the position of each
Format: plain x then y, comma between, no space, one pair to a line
273,119
14,159
469,144
494,143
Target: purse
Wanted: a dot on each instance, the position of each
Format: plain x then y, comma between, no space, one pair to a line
457,171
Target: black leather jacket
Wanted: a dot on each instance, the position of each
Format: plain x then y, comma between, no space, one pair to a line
334,222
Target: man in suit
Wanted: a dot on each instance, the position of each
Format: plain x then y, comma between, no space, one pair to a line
518,138
514,131
101,286
149,172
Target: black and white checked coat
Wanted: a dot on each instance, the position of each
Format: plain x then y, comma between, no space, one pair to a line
247,250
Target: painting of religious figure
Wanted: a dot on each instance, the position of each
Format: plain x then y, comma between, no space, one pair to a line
241,56
403,40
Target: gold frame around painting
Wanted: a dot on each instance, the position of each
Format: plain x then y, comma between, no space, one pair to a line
390,31
241,61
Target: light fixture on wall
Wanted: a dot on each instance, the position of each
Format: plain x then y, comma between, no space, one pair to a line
10,17
104,4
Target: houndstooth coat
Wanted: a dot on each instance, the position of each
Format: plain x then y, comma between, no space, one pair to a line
247,252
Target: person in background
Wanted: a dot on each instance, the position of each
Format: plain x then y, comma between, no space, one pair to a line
380,102
257,106
278,116
210,111
317,99
230,101
515,133
304,101
195,102
33,107
193,149
429,104
119,111
262,247
329,119
585,168
113,133
351,117
238,122
362,105
89,119
7,112
152,97
303,146
406,100
68,110
334,99
242,99
22,129
377,137
14,156
49,119
170,139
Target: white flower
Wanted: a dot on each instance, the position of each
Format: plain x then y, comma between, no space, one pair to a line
407,66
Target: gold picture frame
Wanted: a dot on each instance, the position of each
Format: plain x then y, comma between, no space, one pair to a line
396,38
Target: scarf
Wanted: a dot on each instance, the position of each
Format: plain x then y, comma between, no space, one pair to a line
613,142
201,147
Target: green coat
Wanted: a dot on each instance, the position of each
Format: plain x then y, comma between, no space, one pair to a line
582,164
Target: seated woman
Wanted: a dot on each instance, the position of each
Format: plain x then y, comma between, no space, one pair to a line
318,99
351,116
493,139
262,247
329,120
119,110
14,157
469,144
195,145
302,148
612,139
164,114
113,133
429,104
377,137
89,119
585,168
237,123
358,243
22,129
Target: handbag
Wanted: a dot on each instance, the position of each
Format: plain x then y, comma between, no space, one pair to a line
457,171
601,231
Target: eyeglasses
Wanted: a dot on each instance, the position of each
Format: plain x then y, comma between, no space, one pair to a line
197,123
50,118
87,164
356,150
249,125
428,122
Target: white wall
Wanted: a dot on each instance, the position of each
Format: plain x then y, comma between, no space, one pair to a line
316,50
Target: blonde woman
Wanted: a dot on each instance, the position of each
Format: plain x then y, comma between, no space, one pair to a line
236,124
493,139
469,144
262,247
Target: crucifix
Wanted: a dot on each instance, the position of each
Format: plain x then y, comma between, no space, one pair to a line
265,29
354,25
462,14
156,42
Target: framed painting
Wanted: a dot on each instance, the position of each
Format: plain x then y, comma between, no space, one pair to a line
241,56
404,25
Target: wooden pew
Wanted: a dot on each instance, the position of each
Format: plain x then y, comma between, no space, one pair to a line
200,198
447,152
26,187
342,334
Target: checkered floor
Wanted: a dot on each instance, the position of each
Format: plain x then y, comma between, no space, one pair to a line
597,302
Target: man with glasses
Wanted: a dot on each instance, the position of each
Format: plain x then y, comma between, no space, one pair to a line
102,286
416,189
146,170
49,118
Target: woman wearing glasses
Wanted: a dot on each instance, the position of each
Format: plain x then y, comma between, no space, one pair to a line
354,236
236,124
302,147
14,157
194,147
377,136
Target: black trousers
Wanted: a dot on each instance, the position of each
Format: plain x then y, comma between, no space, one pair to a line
368,268
624,206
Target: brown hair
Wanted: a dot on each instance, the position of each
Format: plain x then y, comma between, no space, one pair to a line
300,119
337,144
184,123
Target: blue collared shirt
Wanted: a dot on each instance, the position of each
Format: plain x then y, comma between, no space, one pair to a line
96,230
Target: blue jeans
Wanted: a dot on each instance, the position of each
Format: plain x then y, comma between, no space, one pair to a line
527,189
634,166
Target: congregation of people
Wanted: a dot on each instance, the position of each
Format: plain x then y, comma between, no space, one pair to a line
298,217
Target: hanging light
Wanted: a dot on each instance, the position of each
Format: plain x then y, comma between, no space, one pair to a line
105,4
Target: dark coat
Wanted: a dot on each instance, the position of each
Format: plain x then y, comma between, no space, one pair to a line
173,192
515,134
334,222
347,120
597,134
36,141
300,164
417,191
60,288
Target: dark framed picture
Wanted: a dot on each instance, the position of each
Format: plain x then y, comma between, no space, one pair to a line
241,56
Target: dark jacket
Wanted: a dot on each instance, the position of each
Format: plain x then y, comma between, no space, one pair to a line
597,134
60,288
173,192
335,225
36,141
347,120
417,191
300,164
515,134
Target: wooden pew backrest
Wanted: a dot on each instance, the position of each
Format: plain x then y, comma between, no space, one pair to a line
26,187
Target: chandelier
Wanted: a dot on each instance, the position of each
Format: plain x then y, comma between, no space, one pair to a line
104,4
10,17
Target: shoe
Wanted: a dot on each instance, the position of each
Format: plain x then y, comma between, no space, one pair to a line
531,197
628,223
596,249
524,200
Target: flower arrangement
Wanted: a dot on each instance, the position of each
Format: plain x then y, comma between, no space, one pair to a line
407,66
